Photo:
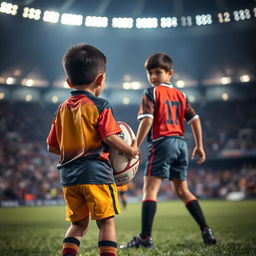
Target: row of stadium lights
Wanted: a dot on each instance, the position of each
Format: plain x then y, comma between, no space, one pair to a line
96,21
134,85
90,21
125,100
55,99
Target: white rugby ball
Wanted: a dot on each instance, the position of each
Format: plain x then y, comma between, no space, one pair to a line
124,170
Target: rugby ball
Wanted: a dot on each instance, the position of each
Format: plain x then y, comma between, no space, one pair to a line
124,170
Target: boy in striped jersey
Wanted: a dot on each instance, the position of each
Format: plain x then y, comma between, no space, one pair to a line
162,114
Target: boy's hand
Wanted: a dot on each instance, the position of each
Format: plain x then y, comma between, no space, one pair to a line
198,152
134,152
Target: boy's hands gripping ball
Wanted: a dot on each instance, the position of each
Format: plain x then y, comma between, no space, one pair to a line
124,169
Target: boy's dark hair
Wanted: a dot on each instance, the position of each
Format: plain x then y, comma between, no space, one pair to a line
82,63
159,60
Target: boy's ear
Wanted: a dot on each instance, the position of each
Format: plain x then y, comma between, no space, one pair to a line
100,78
171,72
69,83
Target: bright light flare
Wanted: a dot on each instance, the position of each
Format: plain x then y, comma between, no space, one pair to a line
71,19
50,16
94,21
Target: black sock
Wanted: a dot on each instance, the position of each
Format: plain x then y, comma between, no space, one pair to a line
197,213
147,215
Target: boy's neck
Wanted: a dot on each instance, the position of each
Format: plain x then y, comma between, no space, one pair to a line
86,88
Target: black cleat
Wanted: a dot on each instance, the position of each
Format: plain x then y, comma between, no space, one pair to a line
137,241
208,237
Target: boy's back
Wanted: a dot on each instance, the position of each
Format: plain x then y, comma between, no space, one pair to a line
168,107
78,129
79,123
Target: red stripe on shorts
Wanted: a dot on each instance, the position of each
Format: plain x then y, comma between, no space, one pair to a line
151,161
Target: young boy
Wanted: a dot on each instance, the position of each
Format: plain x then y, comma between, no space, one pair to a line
81,130
162,113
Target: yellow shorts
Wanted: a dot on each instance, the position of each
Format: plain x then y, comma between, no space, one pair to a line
99,201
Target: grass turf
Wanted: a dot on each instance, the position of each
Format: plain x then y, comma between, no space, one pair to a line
39,231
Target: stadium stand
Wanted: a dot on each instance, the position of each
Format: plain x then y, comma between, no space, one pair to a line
28,172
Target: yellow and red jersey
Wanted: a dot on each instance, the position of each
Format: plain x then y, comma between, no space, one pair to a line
168,107
78,129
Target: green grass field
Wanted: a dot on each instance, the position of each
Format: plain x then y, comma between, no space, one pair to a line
39,231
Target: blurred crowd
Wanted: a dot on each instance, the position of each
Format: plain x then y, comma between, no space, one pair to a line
28,172
229,128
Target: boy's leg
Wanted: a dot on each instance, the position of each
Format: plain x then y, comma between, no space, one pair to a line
182,191
73,237
107,236
149,205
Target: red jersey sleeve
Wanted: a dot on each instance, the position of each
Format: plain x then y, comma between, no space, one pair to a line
147,106
190,113
107,124
52,137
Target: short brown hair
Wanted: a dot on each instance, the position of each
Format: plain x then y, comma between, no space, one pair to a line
159,60
82,63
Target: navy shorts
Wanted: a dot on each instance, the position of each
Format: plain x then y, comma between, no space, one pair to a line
168,158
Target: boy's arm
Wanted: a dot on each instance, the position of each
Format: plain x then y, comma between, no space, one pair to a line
116,142
53,150
143,129
199,149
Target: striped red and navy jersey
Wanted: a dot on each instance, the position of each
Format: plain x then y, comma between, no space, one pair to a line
79,127
168,107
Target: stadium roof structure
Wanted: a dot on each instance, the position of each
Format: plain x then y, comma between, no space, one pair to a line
207,39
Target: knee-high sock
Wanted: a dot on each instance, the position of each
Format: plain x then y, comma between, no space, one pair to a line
107,248
70,246
147,217
197,213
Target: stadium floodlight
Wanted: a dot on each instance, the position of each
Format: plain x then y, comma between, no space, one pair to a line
180,84
28,97
186,21
27,82
136,85
126,85
245,78
2,95
225,96
203,19
146,23
96,21
10,80
126,100
225,80
71,19
31,13
168,22
55,99
122,22
191,98
50,16
9,8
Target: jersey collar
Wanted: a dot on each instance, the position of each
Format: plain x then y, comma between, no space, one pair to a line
77,92
167,85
